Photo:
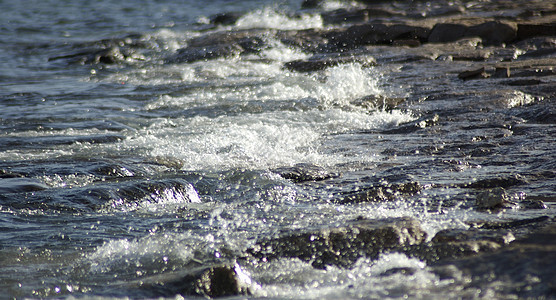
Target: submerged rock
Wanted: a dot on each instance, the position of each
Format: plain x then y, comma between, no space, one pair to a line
344,244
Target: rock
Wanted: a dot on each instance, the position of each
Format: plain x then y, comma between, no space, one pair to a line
473,74
423,122
304,172
494,32
514,224
473,234
525,269
212,281
492,199
227,18
498,182
379,193
491,32
321,62
434,252
375,34
379,102
108,51
447,32
344,244
535,29
221,44
402,270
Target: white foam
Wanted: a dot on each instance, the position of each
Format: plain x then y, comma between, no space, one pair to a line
271,17
287,277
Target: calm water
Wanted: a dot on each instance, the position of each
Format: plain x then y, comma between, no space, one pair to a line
114,172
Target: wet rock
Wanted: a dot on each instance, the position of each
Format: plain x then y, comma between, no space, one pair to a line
211,281
379,102
473,74
514,224
525,269
498,182
421,123
473,234
535,29
381,192
447,32
221,44
375,34
344,244
227,18
492,199
305,172
523,82
108,51
402,270
434,252
321,62
532,204
491,32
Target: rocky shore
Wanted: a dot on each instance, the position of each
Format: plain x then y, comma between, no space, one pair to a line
493,62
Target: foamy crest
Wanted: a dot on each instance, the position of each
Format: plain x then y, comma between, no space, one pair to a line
366,279
269,17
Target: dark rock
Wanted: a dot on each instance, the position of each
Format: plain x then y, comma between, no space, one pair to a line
514,224
402,270
304,172
221,44
521,82
379,193
7,174
494,32
502,182
473,74
434,252
492,199
447,32
342,245
375,34
532,204
321,62
212,281
527,268
227,18
491,32
532,29
473,234
192,54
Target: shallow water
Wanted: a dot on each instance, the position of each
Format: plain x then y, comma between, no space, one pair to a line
112,173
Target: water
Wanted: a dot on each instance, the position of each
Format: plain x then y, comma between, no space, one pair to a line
115,172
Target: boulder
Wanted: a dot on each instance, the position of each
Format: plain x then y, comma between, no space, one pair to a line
344,244
491,32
